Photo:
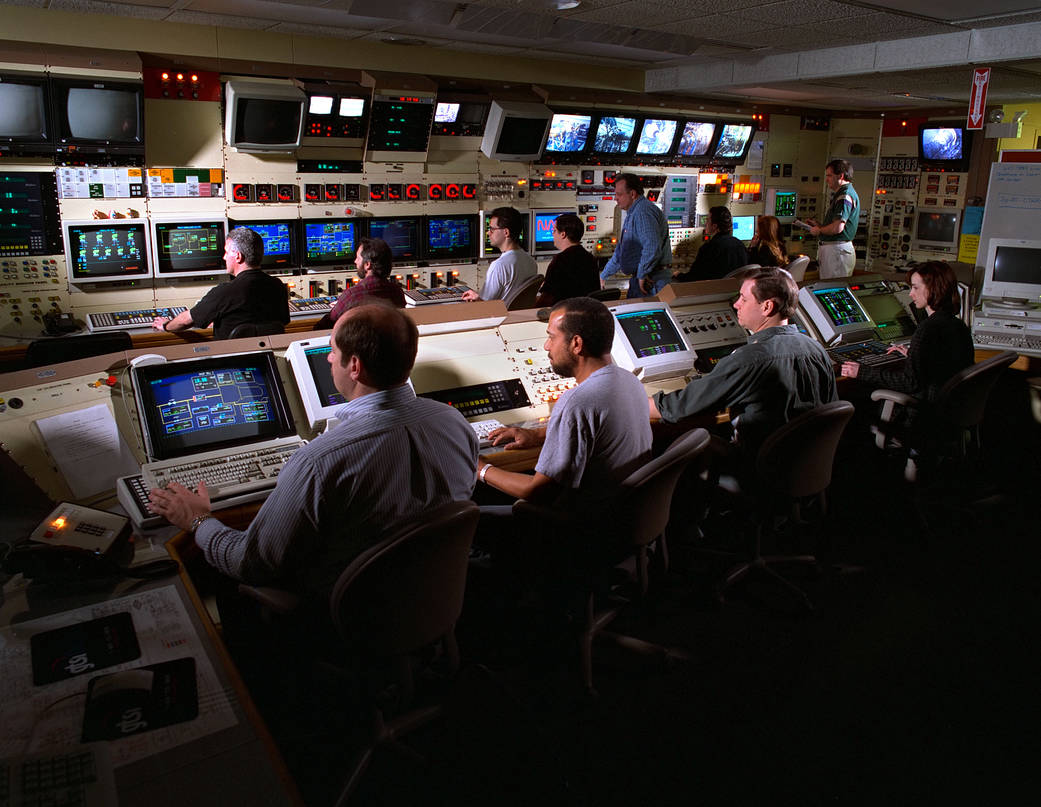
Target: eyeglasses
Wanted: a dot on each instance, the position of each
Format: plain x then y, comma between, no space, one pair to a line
496,228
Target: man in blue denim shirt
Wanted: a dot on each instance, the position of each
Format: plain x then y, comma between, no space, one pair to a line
643,249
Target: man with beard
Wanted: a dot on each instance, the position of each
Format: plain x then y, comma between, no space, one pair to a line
373,260
598,433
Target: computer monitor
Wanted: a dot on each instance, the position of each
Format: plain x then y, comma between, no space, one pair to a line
487,250
936,228
309,360
401,234
25,117
696,138
280,245
614,135
1013,270
450,237
835,312
744,228
944,146
649,341
568,134
189,247
330,242
107,251
656,136
891,319
734,142
196,405
516,131
99,116
543,224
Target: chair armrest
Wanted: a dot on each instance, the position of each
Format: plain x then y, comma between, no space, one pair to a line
891,399
275,600
894,396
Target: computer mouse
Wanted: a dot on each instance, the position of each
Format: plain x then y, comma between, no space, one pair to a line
543,314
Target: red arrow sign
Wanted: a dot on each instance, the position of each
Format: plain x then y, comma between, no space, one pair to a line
978,97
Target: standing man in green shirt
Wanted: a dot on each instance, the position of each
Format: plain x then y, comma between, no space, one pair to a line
835,253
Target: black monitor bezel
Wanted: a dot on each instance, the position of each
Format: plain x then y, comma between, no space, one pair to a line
169,271
294,232
29,146
420,235
475,245
62,132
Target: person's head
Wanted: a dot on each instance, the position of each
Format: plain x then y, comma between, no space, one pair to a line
373,255
934,286
768,230
578,327
567,230
627,187
838,172
373,345
768,297
720,220
243,249
504,229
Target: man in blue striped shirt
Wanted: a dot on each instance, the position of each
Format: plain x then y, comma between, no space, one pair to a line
392,456
643,250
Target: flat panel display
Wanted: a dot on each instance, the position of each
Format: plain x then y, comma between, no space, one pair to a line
197,405
568,133
401,234
656,136
107,251
614,135
330,242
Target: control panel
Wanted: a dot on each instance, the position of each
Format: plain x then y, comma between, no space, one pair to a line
525,347
711,329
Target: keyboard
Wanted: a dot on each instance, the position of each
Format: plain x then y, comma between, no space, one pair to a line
871,353
482,428
227,472
309,306
121,320
440,294
81,777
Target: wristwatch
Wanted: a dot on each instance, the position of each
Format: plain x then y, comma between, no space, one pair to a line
197,521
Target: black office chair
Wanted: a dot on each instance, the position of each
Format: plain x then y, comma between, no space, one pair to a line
523,297
634,520
606,295
55,350
792,475
256,329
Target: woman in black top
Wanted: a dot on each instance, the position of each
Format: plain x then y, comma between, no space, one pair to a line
940,347
767,248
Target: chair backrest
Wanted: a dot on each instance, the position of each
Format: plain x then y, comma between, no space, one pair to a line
41,352
524,295
797,268
256,329
796,460
641,510
407,591
963,399
740,269
606,295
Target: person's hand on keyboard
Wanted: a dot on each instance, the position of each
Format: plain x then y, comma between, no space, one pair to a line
850,369
512,437
901,349
178,505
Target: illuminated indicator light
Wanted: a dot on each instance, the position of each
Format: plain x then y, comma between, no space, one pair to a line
165,76
58,523
195,78
180,76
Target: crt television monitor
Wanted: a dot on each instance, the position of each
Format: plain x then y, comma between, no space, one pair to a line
189,247
649,341
25,127
1013,270
696,138
279,237
309,360
330,242
744,228
656,136
944,146
196,405
516,131
543,224
98,115
835,312
614,134
263,117
891,319
401,234
734,142
936,228
451,237
568,133
107,251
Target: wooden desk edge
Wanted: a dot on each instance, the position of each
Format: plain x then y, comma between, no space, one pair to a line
180,547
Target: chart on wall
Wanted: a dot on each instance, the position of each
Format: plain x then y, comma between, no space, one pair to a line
1013,206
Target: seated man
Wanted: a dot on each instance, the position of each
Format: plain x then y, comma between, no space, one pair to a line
720,256
514,266
572,272
373,261
779,374
252,296
392,456
598,433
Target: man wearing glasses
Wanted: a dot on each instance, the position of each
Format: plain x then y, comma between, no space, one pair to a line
514,266
643,250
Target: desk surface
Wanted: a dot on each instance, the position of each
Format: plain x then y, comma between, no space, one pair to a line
223,757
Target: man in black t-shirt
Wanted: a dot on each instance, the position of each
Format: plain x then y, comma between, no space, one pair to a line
719,256
573,271
251,296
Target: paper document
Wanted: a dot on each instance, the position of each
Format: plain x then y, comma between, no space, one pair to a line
88,449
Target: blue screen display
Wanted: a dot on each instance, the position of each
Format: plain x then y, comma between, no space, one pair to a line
744,228
545,223
944,143
277,245
568,133
614,135
733,140
208,400
448,234
329,240
656,137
